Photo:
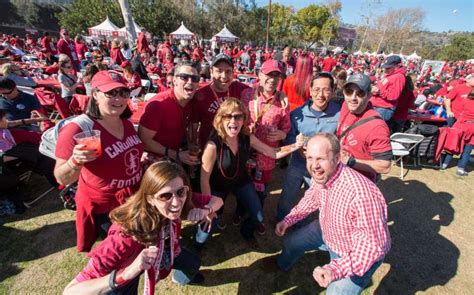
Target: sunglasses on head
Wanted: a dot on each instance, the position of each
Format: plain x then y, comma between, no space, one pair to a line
237,117
179,193
122,92
186,77
358,92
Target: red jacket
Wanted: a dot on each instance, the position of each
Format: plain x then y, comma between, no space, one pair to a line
391,87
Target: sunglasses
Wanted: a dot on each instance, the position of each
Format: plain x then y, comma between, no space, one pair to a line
179,193
186,77
350,91
237,117
122,92
67,67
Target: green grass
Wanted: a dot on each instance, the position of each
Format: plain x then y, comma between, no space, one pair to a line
430,223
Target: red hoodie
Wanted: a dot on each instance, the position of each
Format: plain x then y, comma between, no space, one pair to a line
390,86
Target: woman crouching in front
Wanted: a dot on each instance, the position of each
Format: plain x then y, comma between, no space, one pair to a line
144,237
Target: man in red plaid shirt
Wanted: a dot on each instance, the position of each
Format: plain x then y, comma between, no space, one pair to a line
352,222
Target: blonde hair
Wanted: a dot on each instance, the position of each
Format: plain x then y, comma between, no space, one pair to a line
114,43
8,69
230,105
137,217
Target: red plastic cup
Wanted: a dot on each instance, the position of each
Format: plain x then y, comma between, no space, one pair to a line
91,140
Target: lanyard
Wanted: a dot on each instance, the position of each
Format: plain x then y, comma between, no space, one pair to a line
266,106
215,93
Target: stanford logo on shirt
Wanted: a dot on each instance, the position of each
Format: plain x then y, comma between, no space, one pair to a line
215,105
132,161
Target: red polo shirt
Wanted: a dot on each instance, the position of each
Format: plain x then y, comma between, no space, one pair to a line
457,95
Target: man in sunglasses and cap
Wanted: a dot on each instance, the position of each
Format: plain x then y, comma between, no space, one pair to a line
162,127
208,99
386,93
364,136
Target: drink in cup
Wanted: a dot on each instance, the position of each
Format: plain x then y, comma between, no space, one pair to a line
91,140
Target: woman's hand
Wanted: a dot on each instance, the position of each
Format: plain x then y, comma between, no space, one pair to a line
197,214
82,156
144,261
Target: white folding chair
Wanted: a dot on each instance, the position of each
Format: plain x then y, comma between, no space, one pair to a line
146,84
402,144
135,92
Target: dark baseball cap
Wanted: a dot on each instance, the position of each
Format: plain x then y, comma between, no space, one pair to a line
362,81
222,57
392,61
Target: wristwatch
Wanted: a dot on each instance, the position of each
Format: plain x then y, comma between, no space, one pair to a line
351,162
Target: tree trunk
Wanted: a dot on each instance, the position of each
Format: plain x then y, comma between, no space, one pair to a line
128,19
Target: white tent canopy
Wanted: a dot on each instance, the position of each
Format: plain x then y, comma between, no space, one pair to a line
182,33
225,36
414,56
138,29
358,52
106,28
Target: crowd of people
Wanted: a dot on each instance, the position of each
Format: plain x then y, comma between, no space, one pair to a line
327,118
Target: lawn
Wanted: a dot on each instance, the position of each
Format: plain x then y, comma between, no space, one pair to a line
430,221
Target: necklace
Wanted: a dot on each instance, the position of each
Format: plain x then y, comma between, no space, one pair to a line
220,163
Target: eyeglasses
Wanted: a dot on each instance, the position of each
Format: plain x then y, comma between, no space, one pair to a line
237,117
186,77
122,92
326,91
8,92
350,91
179,193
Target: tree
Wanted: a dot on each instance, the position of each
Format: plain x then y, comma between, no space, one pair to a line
315,23
282,23
461,48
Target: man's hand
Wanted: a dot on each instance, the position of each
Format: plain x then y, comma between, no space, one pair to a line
187,159
322,276
280,228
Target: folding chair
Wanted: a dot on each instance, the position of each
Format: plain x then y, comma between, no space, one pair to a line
146,84
135,92
402,144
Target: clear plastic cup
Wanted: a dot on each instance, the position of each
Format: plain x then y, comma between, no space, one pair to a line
91,140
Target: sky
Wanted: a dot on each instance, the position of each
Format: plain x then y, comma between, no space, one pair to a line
440,15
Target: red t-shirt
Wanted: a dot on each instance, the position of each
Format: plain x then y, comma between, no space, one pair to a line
370,141
106,181
457,95
467,112
117,56
328,64
80,50
164,115
205,104
68,48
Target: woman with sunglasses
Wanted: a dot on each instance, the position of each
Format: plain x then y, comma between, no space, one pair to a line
144,238
224,162
105,175
66,78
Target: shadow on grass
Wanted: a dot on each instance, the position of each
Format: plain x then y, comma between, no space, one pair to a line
420,257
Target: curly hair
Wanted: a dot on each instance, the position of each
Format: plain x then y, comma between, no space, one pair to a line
230,105
137,217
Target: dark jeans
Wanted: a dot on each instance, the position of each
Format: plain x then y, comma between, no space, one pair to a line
248,198
464,160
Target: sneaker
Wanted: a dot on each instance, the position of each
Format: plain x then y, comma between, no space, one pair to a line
221,223
444,166
461,173
236,220
261,230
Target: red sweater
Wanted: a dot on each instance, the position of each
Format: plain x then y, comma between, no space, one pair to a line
391,87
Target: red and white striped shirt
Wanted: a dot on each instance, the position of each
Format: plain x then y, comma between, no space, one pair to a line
353,218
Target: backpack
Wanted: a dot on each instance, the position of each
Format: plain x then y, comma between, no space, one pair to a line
427,148
49,138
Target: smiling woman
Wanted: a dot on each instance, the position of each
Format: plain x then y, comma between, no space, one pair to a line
105,178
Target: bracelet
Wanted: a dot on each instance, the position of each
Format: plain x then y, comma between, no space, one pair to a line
116,279
73,166
75,162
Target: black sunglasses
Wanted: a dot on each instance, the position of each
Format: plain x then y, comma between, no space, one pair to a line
350,91
237,117
122,92
67,67
186,77
180,193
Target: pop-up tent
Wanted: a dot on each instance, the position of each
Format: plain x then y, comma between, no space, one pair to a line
225,36
414,56
182,33
106,28
123,31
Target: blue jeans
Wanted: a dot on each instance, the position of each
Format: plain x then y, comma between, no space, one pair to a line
386,114
186,265
310,238
464,160
246,196
295,175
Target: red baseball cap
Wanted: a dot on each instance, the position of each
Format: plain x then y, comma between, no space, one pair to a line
271,65
108,80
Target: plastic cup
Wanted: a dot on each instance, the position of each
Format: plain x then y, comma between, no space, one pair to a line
91,140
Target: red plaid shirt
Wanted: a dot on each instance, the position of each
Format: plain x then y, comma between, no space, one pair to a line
353,218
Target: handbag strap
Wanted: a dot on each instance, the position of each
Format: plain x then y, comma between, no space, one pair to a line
357,124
